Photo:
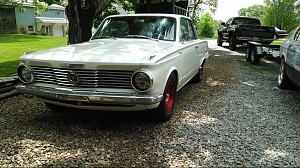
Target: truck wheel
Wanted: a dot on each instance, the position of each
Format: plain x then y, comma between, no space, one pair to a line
219,41
165,109
232,43
284,81
248,53
254,57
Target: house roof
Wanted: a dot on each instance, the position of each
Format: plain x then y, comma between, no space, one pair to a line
50,20
54,6
29,3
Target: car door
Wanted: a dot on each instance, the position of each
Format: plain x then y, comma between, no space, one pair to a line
294,53
189,55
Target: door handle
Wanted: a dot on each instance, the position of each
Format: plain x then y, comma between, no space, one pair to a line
196,47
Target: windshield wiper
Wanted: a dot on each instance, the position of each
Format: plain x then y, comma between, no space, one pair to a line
141,36
104,37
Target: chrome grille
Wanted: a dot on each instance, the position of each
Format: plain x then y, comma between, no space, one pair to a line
88,78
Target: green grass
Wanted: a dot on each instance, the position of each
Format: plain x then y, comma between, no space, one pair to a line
12,46
277,42
250,68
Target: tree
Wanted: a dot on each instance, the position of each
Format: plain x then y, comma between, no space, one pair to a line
14,3
58,2
198,7
8,3
284,14
256,11
99,17
206,26
81,13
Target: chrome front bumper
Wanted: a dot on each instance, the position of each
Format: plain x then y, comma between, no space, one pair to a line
89,95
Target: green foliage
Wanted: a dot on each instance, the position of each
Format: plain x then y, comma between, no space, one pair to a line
49,2
206,26
199,6
284,14
12,46
256,11
40,6
99,17
9,3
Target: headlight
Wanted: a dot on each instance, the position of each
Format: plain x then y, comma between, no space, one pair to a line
24,73
141,81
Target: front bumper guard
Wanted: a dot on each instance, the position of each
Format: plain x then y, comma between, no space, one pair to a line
89,95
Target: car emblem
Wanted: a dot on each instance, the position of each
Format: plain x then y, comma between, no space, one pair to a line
73,78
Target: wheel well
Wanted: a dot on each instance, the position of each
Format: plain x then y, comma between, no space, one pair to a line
176,75
203,62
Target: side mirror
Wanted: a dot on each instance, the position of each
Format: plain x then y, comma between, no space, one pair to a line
223,24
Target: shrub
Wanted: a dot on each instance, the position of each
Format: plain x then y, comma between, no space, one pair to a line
206,26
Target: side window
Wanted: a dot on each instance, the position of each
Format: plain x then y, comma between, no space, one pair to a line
187,29
184,29
229,21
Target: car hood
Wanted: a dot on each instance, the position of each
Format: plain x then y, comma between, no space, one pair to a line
110,51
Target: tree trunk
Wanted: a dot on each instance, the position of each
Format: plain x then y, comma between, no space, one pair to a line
80,14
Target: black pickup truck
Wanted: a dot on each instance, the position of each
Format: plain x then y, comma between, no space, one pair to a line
239,30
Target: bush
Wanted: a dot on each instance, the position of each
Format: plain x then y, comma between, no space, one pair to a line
206,26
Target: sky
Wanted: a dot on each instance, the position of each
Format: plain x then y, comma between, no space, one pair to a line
229,8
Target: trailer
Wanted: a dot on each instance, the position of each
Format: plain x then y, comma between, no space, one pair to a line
256,51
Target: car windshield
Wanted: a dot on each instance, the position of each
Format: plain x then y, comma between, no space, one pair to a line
142,27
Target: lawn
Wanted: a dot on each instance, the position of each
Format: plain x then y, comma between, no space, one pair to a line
278,41
12,46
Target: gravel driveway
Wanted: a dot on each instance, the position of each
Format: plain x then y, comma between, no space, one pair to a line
236,117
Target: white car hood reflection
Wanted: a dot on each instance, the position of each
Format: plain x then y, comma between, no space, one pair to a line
103,51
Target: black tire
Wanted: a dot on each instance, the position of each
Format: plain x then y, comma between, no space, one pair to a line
232,43
165,109
198,77
248,52
284,81
219,41
255,59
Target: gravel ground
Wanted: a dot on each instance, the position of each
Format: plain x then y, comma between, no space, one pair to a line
236,117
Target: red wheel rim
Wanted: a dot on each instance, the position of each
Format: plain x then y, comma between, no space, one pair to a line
170,95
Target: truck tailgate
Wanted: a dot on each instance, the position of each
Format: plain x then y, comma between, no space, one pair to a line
257,31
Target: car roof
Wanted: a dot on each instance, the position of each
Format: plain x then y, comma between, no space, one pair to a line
247,17
150,14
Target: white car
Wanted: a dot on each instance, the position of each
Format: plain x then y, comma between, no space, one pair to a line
289,73
132,62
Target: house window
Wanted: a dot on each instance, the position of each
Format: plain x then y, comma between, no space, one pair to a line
30,29
20,10
57,12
